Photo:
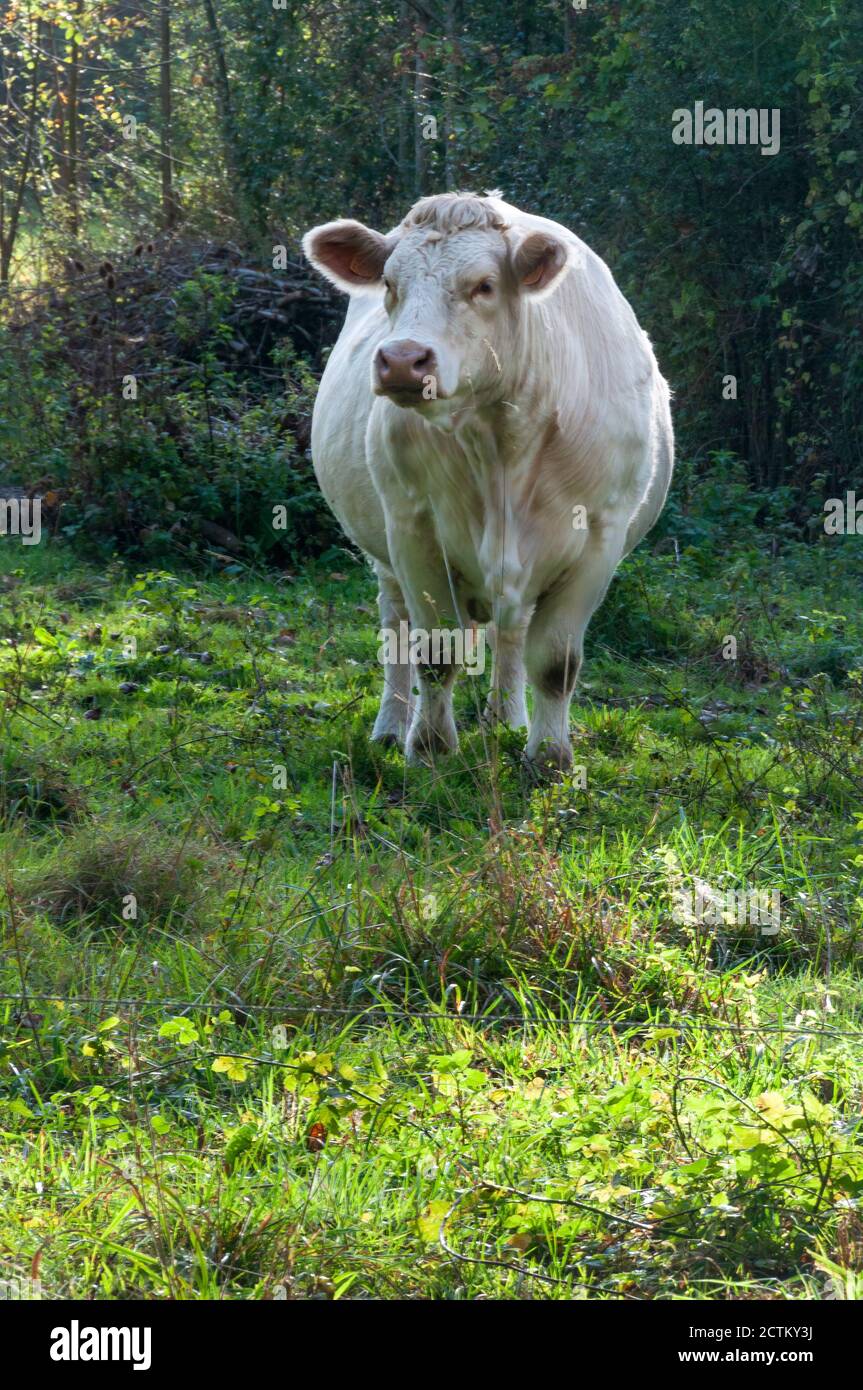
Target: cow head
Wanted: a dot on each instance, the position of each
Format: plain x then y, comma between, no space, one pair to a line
457,282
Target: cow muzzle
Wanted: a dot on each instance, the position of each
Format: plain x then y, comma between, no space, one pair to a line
406,371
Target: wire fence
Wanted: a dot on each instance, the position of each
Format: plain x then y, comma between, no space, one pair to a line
396,1013
474,1245
684,1225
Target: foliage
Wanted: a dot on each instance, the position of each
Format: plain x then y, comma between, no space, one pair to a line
740,264
192,444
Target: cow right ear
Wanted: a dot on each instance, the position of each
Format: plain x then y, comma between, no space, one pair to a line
348,254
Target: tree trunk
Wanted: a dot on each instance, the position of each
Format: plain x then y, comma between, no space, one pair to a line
10,214
449,150
224,107
223,90
74,210
404,110
58,124
420,95
169,205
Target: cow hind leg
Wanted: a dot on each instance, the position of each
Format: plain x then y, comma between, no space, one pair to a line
432,731
506,703
396,707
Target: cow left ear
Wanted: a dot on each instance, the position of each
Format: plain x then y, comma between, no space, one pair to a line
540,262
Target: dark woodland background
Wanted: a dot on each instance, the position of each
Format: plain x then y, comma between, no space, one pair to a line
145,248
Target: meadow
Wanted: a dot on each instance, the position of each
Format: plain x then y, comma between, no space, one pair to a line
283,1018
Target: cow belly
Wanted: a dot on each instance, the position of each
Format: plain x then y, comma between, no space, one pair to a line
339,454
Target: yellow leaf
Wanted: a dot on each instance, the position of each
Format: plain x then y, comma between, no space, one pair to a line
775,1108
429,1223
232,1067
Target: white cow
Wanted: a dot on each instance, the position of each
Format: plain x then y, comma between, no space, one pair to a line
492,430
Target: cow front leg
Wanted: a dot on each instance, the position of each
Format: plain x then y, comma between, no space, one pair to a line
553,664
396,707
553,654
424,582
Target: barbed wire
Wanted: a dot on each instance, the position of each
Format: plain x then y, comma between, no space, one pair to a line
431,1015
666,1227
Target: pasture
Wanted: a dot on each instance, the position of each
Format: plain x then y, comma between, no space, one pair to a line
283,1019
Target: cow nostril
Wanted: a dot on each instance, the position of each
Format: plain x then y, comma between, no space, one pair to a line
404,365
424,365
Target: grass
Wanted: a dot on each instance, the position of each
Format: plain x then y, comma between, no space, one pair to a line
282,1018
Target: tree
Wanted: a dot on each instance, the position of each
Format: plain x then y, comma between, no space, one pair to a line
169,203
20,150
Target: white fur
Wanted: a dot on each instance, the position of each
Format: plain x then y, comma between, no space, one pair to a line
549,398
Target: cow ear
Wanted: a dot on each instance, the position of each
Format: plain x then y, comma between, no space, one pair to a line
540,262
350,255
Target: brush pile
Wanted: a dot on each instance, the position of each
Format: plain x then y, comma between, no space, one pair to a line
163,398
161,301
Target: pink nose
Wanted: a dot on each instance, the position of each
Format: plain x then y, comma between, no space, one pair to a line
404,366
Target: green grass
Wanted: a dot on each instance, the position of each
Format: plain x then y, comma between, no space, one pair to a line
283,1018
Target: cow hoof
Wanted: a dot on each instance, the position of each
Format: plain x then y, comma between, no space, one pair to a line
390,728
549,763
425,744
388,740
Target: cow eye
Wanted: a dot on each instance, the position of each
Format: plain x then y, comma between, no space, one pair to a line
388,284
484,287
